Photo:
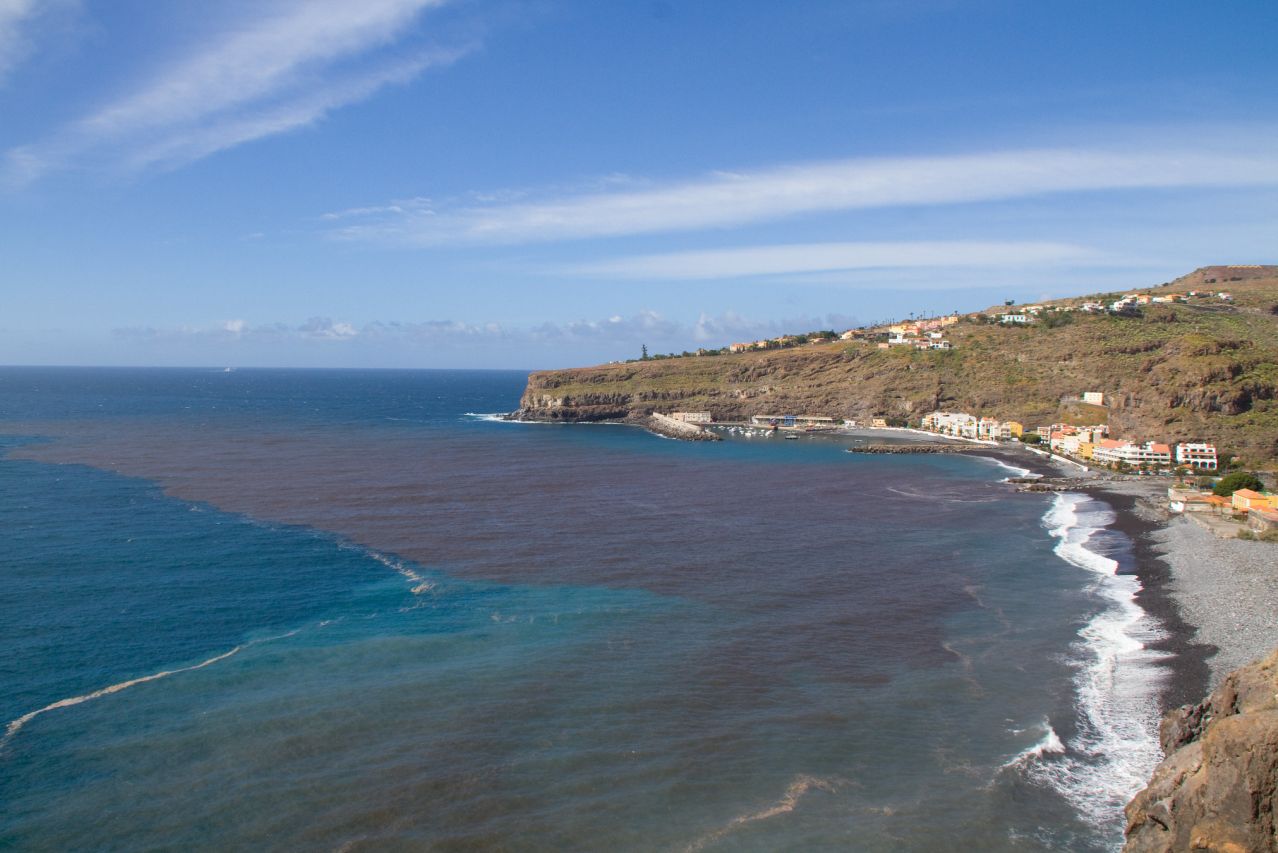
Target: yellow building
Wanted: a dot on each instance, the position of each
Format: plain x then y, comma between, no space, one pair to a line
1085,449
1246,500
1016,428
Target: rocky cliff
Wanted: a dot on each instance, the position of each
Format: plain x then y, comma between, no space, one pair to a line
1216,788
1204,370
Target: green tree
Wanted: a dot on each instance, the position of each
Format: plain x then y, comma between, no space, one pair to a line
1231,483
1054,319
644,357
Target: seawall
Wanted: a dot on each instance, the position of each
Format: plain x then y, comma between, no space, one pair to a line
671,428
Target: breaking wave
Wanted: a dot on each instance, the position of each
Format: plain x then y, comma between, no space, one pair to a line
1117,679
1048,744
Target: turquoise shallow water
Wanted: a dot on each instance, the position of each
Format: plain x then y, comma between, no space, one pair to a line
335,609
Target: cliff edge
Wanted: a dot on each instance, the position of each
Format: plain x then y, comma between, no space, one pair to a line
1217,788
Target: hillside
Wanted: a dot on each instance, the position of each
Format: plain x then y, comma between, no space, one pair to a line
1207,369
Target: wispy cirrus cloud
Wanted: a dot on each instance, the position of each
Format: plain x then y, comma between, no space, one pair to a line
828,257
285,66
730,199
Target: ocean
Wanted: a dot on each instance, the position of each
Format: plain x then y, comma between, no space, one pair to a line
282,609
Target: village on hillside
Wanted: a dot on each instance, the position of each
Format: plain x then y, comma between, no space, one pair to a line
1086,442
924,332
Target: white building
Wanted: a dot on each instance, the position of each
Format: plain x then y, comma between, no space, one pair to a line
1096,398
963,425
988,428
1150,453
958,424
1014,319
692,417
1197,455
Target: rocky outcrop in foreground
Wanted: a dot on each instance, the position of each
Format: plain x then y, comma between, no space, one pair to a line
1216,789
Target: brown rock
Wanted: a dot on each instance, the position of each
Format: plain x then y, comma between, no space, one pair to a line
1217,788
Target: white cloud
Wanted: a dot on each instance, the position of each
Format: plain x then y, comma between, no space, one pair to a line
399,207
15,15
650,327
826,257
190,144
284,68
726,199
323,328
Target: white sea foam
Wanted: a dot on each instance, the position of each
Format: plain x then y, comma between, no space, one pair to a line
1016,470
16,725
491,417
1048,744
1117,681
420,584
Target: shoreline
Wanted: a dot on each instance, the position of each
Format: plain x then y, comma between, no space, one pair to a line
1217,598
1187,657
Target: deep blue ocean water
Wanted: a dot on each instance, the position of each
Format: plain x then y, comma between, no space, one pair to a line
343,609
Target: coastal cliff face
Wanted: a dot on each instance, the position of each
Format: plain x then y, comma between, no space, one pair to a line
1207,370
1216,788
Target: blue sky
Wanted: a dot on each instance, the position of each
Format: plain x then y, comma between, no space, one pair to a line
496,183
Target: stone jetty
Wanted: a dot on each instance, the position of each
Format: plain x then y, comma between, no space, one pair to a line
672,428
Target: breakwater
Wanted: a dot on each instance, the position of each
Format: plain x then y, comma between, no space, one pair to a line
671,428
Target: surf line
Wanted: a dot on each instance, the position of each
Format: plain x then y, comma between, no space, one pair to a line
1117,682
16,726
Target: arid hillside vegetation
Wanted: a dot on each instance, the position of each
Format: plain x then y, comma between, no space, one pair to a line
1203,369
